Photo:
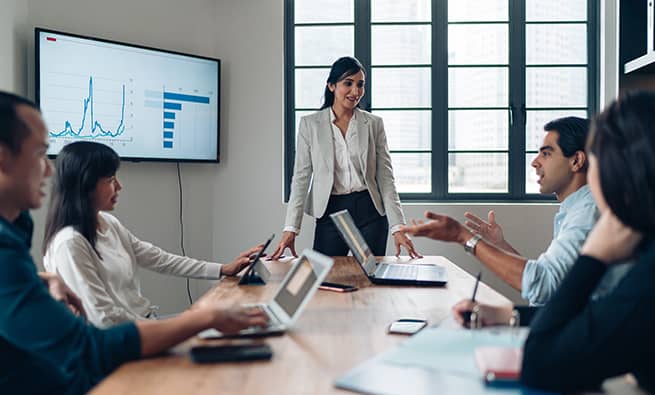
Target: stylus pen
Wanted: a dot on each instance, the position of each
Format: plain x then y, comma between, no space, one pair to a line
466,315
475,288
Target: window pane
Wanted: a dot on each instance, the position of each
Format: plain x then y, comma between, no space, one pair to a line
401,87
407,130
477,173
322,45
477,10
401,44
556,10
534,130
477,129
310,85
556,86
477,44
531,178
300,114
400,11
556,44
412,172
477,87
326,11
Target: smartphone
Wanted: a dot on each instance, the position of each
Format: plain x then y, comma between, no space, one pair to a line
232,353
407,326
337,287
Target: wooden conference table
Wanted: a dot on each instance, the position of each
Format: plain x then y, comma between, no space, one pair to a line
336,332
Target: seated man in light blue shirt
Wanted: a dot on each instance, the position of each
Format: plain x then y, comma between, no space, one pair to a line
562,169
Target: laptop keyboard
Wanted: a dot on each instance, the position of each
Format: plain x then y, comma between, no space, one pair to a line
401,272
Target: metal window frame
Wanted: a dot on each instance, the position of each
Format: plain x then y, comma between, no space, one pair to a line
439,83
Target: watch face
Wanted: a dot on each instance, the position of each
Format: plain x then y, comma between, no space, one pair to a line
470,244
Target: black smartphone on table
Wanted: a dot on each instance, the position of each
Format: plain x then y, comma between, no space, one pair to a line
231,353
327,286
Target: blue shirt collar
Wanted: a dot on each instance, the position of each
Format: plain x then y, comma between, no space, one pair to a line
583,193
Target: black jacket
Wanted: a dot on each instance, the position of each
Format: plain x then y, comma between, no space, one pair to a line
575,343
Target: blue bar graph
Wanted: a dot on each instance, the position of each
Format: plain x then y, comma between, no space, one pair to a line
172,106
187,98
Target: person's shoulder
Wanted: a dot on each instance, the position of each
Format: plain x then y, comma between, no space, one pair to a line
66,234
109,219
67,237
370,117
315,116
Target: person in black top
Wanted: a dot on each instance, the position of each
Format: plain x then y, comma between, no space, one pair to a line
44,347
576,342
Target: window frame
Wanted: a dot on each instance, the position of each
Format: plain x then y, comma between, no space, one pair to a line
516,155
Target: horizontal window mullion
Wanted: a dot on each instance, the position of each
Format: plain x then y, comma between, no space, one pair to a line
408,151
408,23
319,24
400,66
556,22
462,66
478,22
305,109
574,108
559,65
477,108
481,151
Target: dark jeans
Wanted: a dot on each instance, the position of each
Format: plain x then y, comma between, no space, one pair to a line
374,227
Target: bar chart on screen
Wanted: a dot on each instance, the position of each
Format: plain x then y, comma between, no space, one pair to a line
147,104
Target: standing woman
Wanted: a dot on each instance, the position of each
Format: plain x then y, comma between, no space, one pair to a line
94,253
343,162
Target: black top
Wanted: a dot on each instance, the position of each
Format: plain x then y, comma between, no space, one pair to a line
575,343
44,348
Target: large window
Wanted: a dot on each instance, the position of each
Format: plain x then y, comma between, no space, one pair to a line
464,86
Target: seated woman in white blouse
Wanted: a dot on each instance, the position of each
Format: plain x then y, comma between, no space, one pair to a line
94,253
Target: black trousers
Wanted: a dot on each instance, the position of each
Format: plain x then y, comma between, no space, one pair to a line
374,227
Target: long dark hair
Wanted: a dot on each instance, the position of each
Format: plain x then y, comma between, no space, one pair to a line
79,167
622,138
342,68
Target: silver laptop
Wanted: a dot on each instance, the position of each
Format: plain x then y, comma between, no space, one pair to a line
291,297
381,272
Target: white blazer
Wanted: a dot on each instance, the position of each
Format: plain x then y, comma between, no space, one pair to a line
313,174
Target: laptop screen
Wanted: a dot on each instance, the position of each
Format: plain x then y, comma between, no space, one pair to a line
353,237
296,286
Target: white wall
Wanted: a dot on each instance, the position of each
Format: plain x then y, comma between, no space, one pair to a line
13,20
237,203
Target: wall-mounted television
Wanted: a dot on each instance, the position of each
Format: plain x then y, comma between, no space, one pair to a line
145,103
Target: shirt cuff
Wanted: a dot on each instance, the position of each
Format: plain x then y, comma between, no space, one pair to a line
212,271
291,229
396,228
529,286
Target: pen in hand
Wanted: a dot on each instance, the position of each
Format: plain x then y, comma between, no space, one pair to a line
466,315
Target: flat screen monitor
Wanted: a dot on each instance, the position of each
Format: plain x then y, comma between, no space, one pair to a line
145,103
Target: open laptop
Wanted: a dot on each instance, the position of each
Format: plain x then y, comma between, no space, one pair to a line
291,297
381,272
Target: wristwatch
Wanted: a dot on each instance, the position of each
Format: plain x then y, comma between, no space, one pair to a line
470,244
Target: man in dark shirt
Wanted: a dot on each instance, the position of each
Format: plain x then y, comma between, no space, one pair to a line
44,347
